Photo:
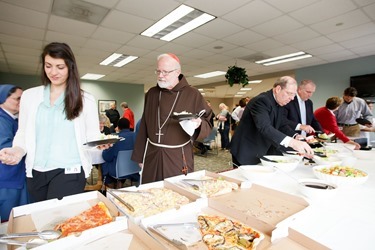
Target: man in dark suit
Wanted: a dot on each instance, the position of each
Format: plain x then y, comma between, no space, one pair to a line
259,132
299,112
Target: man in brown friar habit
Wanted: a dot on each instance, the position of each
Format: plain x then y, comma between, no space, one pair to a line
164,145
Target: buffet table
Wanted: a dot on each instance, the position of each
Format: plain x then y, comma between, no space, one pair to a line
345,221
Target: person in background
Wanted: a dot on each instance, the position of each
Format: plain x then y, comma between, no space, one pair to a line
56,119
300,112
351,109
110,155
223,125
13,189
366,131
113,116
259,132
213,114
104,124
204,145
325,116
237,113
163,148
128,114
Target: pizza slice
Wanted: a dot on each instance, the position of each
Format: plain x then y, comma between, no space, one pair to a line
222,233
95,216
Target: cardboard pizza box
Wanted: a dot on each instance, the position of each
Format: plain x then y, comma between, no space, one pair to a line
44,215
159,185
174,183
268,210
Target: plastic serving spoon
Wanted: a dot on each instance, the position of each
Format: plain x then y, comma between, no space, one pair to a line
266,159
44,235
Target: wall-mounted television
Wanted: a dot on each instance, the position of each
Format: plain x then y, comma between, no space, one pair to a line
365,85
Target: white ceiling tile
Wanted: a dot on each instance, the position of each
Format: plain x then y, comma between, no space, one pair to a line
70,26
102,45
193,40
111,35
341,22
154,11
197,54
359,42
281,51
125,22
126,49
297,35
264,45
14,49
326,49
22,42
322,10
146,42
53,36
277,26
313,43
38,5
367,50
238,52
214,8
370,10
355,32
290,5
252,14
338,56
211,46
218,29
19,15
244,37
18,30
363,2
107,3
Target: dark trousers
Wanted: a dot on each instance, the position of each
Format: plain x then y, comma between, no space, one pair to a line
224,134
55,184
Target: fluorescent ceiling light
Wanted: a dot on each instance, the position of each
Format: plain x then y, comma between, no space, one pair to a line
241,93
172,17
118,60
245,89
255,81
237,95
178,22
211,74
110,59
125,61
90,76
285,58
187,27
203,93
201,90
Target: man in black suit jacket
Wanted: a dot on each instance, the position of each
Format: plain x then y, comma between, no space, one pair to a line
259,133
303,125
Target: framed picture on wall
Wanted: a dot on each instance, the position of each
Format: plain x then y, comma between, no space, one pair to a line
103,105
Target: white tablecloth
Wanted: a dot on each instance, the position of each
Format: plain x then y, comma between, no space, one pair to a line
95,154
345,221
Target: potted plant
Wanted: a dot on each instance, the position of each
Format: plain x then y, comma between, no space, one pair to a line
236,75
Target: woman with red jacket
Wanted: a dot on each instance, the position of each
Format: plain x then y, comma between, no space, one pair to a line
327,120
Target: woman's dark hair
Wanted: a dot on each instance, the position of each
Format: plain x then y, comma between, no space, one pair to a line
333,102
73,92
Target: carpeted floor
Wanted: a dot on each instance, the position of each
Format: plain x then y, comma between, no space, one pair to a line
212,162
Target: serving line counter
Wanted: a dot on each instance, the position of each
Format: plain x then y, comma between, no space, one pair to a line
344,221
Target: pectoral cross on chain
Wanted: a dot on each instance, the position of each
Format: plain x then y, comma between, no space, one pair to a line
159,134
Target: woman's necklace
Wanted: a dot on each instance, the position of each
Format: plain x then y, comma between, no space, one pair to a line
170,112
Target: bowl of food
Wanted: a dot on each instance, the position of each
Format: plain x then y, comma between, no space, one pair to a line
256,172
317,188
293,154
340,175
284,163
329,160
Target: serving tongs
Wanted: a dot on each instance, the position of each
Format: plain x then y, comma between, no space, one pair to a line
26,245
45,235
126,204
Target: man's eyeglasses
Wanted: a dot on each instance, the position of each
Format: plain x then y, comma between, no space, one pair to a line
163,72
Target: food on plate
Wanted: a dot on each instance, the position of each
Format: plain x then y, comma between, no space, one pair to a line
151,201
208,186
343,171
326,151
182,113
103,136
323,136
222,233
95,216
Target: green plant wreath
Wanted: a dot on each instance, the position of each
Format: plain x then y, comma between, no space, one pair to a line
236,75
